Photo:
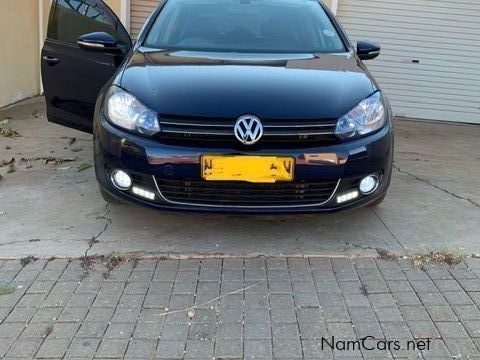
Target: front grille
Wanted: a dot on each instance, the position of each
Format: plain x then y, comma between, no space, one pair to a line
233,193
221,129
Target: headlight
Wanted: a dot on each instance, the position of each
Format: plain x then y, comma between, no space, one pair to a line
125,110
368,116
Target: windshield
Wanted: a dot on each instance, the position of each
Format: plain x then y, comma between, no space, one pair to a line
267,26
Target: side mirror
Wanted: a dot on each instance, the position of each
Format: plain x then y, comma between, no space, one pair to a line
367,50
98,41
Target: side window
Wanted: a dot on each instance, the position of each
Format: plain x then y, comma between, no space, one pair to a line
72,18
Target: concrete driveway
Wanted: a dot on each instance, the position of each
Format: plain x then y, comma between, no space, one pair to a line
50,209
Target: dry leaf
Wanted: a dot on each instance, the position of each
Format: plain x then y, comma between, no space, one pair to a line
11,168
421,261
7,162
55,160
27,260
6,289
9,133
83,167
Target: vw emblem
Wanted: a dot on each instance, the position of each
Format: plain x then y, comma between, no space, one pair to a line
248,129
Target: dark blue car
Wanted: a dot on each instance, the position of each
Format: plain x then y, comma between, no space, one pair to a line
258,106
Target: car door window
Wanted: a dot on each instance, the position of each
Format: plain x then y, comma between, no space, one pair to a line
73,18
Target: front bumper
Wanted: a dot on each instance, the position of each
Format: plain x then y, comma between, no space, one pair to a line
148,161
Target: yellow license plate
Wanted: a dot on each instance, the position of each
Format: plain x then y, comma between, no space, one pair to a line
255,169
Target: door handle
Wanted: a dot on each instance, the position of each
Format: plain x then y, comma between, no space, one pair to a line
50,60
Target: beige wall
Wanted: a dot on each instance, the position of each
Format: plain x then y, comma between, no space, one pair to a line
19,43
115,5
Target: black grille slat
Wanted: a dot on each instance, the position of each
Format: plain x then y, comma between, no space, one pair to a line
232,186
253,192
249,189
221,129
209,132
296,133
294,126
235,193
191,200
246,196
194,124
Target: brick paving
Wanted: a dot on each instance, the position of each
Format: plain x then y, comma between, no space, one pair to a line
237,309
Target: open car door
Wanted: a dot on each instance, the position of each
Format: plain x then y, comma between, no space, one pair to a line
86,43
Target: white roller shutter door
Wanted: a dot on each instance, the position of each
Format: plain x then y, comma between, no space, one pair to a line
430,61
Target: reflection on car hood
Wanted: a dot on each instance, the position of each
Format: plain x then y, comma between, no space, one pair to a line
229,85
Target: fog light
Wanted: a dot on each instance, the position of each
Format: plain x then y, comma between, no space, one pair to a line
347,197
368,184
143,193
121,180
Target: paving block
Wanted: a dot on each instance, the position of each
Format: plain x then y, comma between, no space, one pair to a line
441,313
312,330
289,349
177,332
258,331
229,349
64,330
147,330
119,330
285,331
199,349
141,349
112,348
23,348
53,348
202,331
414,312
254,349
229,331
451,330
423,329
92,329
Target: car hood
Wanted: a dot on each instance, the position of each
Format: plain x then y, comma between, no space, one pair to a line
229,85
